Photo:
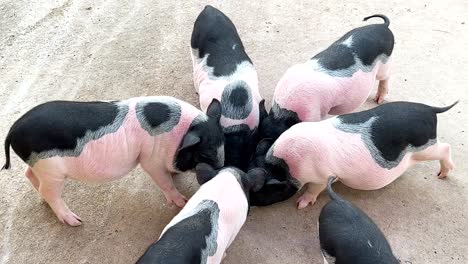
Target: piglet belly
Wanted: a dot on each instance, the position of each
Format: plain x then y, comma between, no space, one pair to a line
307,92
353,91
359,170
105,159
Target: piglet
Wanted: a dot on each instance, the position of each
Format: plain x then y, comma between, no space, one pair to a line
222,70
367,150
349,236
335,81
103,141
210,221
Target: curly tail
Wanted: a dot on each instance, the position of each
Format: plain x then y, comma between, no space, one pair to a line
7,152
439,110
384,17
330,191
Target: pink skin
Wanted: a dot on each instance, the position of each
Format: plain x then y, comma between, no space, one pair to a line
313,157
105,160
209,87
314,94
233,208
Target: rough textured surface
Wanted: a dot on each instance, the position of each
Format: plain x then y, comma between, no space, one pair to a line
102,50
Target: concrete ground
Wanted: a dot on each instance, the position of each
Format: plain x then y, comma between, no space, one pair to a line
96,50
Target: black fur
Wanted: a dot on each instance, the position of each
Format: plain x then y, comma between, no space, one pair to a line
251,182
336,57
215,34
279,184
274,125
236,100
210,136
183,242
258,159
272,193
368,43
57,125
239,146
349,235
398,125
156,113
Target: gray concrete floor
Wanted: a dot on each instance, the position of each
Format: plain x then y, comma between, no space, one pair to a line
96,50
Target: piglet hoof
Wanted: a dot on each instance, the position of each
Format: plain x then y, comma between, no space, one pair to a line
304,201
445,168
178,200
70,219
379,98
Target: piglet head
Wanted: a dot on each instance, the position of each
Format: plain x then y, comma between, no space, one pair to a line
203,142
252,181
204,173
270,127
278,185
258,159
273,125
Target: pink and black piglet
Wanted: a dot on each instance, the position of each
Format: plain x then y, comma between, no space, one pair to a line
209,223
222,70
336,81
367,150
103,141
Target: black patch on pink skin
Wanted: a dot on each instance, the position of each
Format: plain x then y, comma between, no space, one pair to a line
236,100
349,235
398,125
336,57
215,34
157,117
56,126
192,240
368,43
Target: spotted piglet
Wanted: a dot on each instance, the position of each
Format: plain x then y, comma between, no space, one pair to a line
348,236
222,70
367,150
336,81
210,221
103,141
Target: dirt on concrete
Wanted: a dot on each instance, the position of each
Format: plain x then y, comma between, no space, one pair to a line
102,50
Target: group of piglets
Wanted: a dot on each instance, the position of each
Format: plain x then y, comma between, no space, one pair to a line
242,155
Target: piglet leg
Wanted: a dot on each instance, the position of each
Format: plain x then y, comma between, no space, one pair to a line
32,178
310,194
50,189
382,91
164,180
383,75
438,151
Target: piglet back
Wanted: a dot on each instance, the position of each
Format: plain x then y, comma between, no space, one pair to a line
55,127
348,235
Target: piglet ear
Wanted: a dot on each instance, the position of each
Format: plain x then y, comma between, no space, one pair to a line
262,109
256,179
204,173
254,134
190,139
214,110
263,146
